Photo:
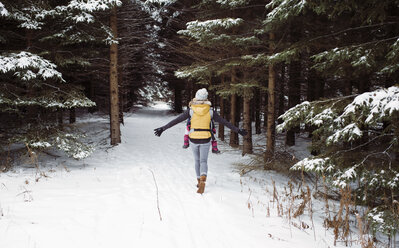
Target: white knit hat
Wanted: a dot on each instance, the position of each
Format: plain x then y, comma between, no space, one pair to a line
201,94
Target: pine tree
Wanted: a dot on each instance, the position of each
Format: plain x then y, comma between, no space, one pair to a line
36,79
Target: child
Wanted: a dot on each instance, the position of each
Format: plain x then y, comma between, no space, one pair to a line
213,141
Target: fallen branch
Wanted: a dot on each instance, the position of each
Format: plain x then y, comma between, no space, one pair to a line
24,192
156,186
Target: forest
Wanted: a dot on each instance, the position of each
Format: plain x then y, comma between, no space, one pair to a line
325,70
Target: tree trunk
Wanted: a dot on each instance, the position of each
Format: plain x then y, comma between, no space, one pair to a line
72,115
178,106
270,135
221,127
311,94
320,88
265,107
113,83
60,115
364,84
293,96
311,90
247,140
348,88
233,112
258,104
281,100
121,91
294,83
190,92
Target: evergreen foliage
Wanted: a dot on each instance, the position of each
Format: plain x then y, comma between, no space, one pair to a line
356,138
225,43
38,67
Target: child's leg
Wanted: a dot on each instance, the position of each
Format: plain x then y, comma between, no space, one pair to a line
214,143
215,146
186,139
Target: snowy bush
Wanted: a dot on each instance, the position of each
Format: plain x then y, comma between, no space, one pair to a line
356,142
49,136
383,221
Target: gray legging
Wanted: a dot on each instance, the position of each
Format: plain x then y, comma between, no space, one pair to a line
200,152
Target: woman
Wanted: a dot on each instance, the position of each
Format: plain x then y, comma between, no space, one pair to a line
200,132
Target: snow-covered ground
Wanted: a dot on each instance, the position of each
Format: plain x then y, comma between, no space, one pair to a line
142,193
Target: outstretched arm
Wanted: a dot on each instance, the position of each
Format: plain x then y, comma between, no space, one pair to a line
224,122
178,119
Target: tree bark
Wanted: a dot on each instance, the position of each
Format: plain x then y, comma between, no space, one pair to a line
293,96
281,99
113,83
72,116
178,104
221,127
258,104
265,107
233,110
247,140
348,88
294,83
270,135
60,115
311,90
320,88
364,84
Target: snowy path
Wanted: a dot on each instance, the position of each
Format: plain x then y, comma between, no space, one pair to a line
110,199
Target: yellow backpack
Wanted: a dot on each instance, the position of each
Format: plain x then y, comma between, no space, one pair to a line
201,120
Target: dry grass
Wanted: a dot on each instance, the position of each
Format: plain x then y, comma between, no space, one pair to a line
34,160
300,201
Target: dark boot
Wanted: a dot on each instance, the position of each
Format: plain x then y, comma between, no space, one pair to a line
198,182
201,185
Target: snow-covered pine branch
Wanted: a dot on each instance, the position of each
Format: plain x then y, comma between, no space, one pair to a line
30,17
3,10
392,59
340,119
232,3
357,141
28,66
53,99
360,58
89,6
282,11
205,31
193,72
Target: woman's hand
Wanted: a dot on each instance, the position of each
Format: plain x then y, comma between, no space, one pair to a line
158,131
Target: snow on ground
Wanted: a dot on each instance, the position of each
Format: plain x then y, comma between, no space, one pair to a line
111,199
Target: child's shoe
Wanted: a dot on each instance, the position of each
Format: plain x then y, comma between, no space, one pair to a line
215,147
186,142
